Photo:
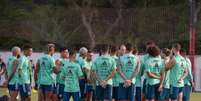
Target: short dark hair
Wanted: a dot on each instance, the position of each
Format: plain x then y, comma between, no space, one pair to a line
90,51
72,52
177,46
105,48
153,51
150,42
27,46
113,49
129,47
135,50
62,49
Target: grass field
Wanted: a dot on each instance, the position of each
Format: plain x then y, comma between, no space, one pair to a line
3,91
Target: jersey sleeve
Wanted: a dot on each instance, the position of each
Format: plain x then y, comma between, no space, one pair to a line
162,66
52,62
79,71
93,66
147,69
114,65
190,69
20,62
63,73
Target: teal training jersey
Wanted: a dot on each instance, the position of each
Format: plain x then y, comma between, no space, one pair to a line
138,77
166,81
188,79
9,70
143,63
45,75
59,77
177,71
25,67
154,65
103,66
71,73
128,65
116,77
88,66
81,61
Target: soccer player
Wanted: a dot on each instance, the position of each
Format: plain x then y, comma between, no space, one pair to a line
81,60
113,54
24,68
188,81
138,90
143,60
12,73
64,54
154,66
44,70
89,83
165,93
104,69
128,68
178,72
71,75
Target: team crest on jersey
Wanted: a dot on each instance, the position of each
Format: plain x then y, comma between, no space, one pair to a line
129,63
69,72
104,64
182,64
156,65
62,64
43,63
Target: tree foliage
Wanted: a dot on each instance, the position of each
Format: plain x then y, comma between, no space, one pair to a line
92,22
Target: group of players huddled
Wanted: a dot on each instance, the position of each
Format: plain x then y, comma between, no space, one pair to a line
116,74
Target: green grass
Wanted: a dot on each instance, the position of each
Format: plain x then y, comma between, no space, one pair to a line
3,91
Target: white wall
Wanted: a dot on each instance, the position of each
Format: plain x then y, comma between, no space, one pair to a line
197,75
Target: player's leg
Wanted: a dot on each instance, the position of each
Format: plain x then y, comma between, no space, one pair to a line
25,92
82,88
144,89
41,93
107,93
60,92
150,92
138,95
48,92
174,93
122,93
76,96
186,92
66,96
162,94
180,95
89,92
115,93
98,93
157,93
13,91
131,92
54,94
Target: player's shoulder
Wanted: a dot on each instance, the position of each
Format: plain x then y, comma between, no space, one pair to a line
74,64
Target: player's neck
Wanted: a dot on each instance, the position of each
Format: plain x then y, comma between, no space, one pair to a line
113,54
106,53
71,59
65,58
177,53
128,52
